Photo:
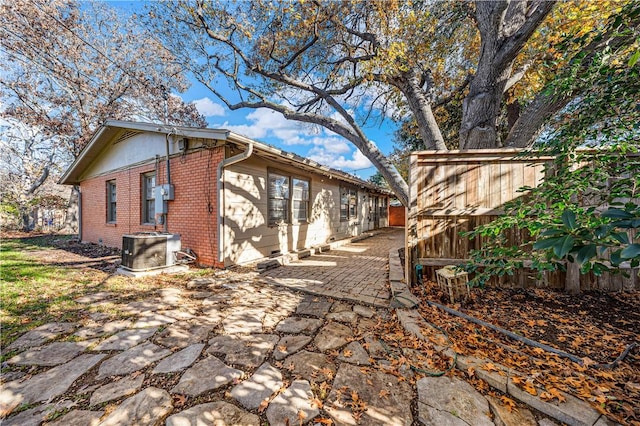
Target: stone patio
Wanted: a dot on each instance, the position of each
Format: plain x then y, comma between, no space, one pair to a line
240,351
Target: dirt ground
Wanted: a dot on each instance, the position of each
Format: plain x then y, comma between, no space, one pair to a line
72,252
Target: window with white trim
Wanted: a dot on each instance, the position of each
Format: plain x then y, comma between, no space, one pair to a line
149,198
300,199
111,201
348,203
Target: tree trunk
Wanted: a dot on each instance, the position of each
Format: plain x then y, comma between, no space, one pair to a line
504,29
481,107
27,225
531,121
71,218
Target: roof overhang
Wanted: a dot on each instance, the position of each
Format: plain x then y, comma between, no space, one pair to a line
112,129
303,163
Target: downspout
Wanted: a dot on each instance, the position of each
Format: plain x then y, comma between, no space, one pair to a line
166,214
79,214
224,163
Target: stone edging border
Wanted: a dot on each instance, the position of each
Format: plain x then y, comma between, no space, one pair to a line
573,411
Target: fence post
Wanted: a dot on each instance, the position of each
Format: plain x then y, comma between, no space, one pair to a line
572,283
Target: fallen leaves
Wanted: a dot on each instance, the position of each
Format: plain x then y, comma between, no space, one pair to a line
509,403
301,416
595,327
350,398
489,367
179,400
551,394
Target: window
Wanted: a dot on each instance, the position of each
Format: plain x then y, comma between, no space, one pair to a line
288,199
348,203
278,204
111,201
353,204
383,207
300,200
148,198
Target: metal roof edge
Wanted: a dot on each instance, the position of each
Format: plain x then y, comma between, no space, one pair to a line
319,168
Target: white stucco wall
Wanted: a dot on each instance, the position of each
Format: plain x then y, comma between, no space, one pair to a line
248,236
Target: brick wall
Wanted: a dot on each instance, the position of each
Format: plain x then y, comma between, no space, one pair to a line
193,213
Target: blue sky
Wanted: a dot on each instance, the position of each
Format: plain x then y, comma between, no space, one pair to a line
272,128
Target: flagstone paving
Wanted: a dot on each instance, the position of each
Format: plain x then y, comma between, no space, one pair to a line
235,368
226,350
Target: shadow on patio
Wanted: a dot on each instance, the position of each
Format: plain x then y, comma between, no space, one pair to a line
356,271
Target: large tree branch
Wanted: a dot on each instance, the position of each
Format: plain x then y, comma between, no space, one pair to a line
547,103
531,121
409,83
512,44
517,75
351,132
455,92
40,181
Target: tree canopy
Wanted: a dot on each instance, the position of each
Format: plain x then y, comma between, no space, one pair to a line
348,65
66,67
586,211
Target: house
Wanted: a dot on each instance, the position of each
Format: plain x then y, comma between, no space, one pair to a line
232,200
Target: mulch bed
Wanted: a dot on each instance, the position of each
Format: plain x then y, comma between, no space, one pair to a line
71,253
596,327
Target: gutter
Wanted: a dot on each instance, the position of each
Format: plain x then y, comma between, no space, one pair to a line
79,214
224,163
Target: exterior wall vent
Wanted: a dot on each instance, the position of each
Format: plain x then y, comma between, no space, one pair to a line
126,135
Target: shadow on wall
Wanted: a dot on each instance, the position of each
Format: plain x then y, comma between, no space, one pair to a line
242,216
451,195
323,206
247,234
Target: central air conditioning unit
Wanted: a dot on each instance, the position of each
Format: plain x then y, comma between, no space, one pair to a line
149,250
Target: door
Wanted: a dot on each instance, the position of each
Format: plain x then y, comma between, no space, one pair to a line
375,212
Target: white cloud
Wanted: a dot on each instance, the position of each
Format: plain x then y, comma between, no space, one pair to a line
357,161
325,147
208,108
264,123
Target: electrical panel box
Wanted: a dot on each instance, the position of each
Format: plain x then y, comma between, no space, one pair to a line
161,205
144,251
163,193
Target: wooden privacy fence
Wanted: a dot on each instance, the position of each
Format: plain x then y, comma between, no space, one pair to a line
456,191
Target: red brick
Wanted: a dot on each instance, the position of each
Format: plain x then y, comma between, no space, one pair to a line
188,214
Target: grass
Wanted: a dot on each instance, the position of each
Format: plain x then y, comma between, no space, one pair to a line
34,292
